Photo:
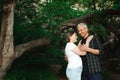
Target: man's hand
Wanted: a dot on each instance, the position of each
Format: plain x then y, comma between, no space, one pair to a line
84,47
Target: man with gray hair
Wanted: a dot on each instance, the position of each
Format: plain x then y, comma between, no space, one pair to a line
91,63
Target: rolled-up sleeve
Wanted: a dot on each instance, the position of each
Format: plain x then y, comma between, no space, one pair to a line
98,45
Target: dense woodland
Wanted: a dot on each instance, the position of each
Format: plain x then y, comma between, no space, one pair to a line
32,35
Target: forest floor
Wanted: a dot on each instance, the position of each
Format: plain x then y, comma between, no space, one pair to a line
115,76
62,76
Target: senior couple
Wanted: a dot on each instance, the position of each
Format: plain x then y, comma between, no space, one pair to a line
83,59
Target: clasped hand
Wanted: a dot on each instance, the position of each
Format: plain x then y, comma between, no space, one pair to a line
83,47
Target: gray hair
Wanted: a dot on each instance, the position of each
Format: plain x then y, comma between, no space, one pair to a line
82,24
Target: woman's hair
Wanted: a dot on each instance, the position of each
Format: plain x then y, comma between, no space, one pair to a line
70,33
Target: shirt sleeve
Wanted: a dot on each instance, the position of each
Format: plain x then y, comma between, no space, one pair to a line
98,45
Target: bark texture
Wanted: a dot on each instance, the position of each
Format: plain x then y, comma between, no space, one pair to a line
6,39
8,53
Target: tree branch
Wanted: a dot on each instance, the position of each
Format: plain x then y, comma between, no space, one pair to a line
111,12
107,42
74,22
20,49
112,29
88,19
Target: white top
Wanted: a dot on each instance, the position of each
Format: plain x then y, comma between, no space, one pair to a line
74,60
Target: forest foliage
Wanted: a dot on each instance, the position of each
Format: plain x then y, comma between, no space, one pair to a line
35,19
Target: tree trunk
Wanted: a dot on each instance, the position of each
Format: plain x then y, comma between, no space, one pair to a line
7,51
6,39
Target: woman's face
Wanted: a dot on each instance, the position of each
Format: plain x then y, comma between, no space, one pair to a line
73,38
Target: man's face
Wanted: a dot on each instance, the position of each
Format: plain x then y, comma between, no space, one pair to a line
83,31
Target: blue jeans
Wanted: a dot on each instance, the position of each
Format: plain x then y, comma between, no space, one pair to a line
74,73
95,76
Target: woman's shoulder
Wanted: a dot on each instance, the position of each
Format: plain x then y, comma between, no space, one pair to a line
70,45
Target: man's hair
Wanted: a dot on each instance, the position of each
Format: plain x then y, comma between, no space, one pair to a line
82,24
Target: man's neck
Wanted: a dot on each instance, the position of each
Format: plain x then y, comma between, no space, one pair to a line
86,35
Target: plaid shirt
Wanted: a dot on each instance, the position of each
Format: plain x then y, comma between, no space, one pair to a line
91,62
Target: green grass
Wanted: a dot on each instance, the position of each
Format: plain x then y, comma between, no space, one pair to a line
30,72
35,74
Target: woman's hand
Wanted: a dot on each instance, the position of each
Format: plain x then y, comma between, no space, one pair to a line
65,57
